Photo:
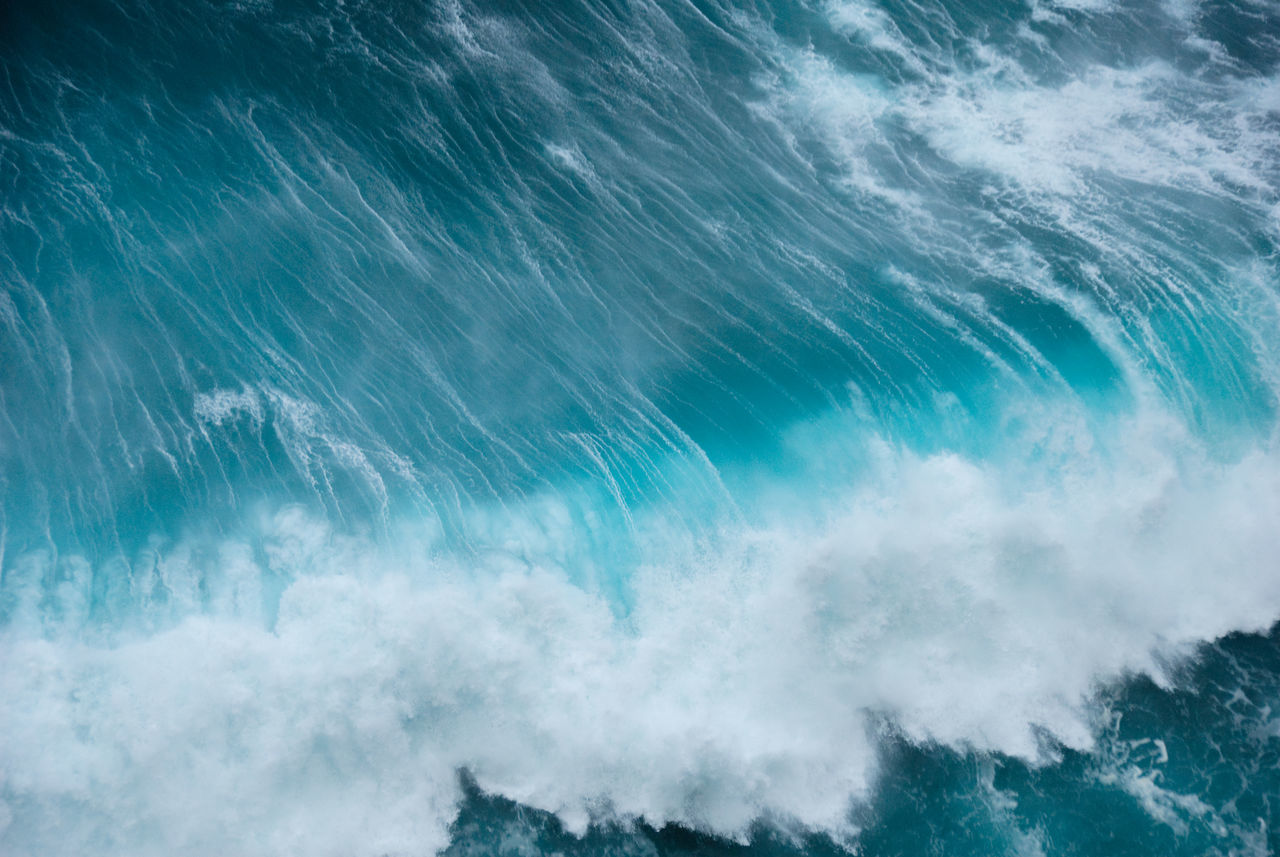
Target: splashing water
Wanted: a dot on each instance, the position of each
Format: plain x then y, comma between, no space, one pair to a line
766,428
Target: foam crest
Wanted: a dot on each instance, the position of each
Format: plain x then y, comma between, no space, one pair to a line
955,601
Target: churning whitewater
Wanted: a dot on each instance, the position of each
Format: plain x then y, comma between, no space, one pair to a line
769,427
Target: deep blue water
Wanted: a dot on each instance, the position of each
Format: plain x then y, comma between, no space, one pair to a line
640,428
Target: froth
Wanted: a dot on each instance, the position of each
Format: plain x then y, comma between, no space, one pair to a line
945,598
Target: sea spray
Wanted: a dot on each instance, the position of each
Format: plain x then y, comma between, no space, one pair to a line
798,425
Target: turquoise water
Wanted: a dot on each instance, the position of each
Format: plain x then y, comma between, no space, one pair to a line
755,428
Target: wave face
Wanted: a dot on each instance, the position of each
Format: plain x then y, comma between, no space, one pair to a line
649,428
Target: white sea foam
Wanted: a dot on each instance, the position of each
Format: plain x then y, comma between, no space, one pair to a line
973,603
220,406
1144,122
967,603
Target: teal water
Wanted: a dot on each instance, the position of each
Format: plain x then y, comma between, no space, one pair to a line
1199,764
746,428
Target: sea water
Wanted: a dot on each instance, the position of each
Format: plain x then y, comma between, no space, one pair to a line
693,427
